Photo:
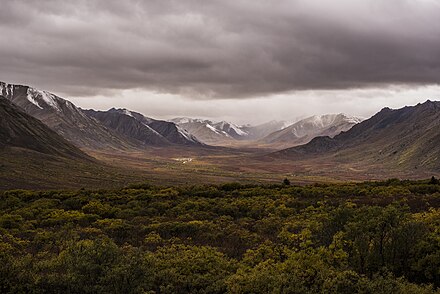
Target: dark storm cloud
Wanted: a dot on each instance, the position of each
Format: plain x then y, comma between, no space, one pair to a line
228,48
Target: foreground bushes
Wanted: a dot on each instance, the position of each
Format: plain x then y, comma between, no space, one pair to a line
352,238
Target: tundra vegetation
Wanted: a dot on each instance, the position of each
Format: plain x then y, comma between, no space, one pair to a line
370,237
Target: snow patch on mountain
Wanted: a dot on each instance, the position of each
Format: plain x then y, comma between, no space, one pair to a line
238,130
151,129
212,129
6,89
186,135
50,99
285,124
353,119
39,98
127,112
181,120
30,96
230,128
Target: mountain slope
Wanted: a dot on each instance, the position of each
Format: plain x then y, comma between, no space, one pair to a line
146,130
64,118
260,131
231,130
305,130
18,129
403,138
126,124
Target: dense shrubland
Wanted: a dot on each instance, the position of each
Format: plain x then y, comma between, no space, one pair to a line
372,237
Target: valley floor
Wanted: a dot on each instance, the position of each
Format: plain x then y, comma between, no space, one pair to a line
24,169
217,165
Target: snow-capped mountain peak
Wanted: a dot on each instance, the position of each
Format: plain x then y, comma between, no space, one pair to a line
127,112
43,99
40,99
232,129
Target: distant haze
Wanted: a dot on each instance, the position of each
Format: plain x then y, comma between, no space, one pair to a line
247,61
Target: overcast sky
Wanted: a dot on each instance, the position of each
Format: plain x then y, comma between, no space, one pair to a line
241,60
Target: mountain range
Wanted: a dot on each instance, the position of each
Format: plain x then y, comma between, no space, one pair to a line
224,133
64,117
85,130
407,138
276,134
123,129
305,130
40,127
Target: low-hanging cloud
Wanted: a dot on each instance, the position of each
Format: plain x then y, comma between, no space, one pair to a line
219,49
